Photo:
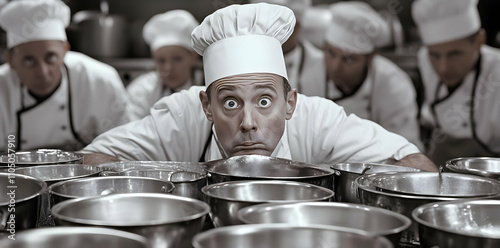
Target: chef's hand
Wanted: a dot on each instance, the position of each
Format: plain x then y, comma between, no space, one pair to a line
419,161
98,158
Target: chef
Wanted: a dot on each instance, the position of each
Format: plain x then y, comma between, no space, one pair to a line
304,62
360,80
51,97
169,37
461,79
248,107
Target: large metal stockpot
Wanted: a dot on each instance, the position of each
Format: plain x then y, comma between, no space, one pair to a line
459,224
373,220
40,157
286,236
481,166
258,167
52,174
165,220
346,173
20,197
226,199
75,237
402,203
98,186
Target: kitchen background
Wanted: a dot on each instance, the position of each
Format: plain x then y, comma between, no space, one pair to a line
123,47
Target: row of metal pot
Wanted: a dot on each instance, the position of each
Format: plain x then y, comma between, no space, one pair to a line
406,196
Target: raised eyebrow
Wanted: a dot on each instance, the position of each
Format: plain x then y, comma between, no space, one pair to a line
264,86
225,88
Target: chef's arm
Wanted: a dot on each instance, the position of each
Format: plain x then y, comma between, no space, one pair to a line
98,158
417,160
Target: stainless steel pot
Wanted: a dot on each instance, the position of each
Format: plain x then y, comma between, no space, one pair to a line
187,183
346,173
481,166
40,157
257,167
457,224
98,186
75,237
436,184
286,236
373,220
399,203
226,199
52,174
146,165
20,197
100,34
165,220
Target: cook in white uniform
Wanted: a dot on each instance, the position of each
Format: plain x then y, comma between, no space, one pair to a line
461,78
248,106
304,62
169,37
360,80
51,97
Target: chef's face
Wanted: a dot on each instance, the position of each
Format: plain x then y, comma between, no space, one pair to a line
453,60
174,65
38,64
345,69
249,112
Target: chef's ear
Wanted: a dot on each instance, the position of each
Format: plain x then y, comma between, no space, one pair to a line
205,102
291,103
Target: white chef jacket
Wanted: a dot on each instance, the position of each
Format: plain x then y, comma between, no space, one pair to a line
387,96
91,99
147,89
453,112
319,132
305,68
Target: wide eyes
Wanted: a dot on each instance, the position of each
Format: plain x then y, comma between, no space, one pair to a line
230,104
264,102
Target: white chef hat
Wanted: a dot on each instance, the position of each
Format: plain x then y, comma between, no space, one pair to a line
241,39
357,28
315,22
172,28
444,20
34,20
297,6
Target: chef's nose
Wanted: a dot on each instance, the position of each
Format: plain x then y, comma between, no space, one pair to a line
42,69
248,122
334,64
442,66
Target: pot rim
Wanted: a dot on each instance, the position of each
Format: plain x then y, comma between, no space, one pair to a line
253,228
72,230
413,197
37,180
406,222
51,191
426,207
95,171
211,165
74,157
205,190
451,165
367,170
138,165
72,202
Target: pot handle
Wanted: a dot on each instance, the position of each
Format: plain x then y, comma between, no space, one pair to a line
4,215
368,167
170,174
109,173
